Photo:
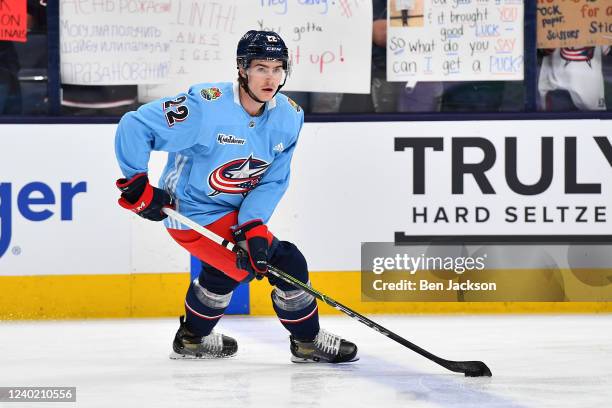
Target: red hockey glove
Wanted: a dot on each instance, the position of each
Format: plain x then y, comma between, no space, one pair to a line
141,197
253,237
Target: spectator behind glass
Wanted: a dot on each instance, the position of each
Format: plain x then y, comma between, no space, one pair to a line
384,96
10,91
572,79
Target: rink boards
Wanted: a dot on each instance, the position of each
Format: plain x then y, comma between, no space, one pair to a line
68,251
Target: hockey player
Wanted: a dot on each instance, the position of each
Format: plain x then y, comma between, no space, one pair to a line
229,151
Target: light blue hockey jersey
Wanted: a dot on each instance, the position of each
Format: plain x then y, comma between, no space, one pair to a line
220,158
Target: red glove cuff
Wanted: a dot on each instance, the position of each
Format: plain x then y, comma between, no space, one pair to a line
141,204
124,183
252,229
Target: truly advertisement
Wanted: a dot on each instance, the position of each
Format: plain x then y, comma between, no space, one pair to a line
509,181
533,184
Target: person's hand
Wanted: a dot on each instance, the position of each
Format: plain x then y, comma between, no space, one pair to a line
139,196
252,238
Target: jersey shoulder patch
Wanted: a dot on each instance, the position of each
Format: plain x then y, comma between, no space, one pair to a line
211,91
294,105
211,94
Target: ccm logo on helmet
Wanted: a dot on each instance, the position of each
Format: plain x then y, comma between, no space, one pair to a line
29,199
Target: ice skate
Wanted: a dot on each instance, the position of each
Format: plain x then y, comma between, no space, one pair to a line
188,346
325,348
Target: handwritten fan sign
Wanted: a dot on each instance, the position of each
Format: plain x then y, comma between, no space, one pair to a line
13,20
454,40
575,23
329,42
114,42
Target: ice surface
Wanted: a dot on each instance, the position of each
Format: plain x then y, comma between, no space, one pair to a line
537,361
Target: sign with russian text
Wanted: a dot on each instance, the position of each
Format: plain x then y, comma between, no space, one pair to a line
13,20
576,23
114,42
455,40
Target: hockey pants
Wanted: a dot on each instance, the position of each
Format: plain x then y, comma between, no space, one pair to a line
209,295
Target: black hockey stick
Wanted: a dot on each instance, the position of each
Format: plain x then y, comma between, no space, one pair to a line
469,368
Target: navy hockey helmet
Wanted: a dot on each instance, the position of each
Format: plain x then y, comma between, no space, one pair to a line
265,45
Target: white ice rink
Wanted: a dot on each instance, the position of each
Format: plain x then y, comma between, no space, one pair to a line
537,361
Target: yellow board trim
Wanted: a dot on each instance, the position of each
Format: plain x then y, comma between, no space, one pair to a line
163,294
345,287
92,296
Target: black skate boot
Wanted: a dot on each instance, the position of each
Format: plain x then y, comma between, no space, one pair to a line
325,348
188,346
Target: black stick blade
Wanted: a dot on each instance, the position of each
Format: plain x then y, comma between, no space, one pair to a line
469,368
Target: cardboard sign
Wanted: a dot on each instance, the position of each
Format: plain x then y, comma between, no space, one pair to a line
576,23
13,20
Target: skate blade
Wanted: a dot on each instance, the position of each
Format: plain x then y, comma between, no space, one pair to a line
300,360
176,356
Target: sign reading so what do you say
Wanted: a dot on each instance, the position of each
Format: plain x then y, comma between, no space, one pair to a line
455,40
166,46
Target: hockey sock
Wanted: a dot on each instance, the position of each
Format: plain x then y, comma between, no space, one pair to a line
298,312
296,309
204,308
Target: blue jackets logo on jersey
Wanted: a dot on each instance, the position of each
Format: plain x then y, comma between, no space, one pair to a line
237,176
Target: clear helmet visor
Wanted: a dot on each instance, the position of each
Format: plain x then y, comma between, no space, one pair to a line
264,71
